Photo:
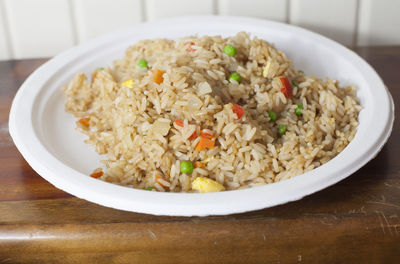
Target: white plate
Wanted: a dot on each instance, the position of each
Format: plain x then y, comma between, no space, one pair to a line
46,137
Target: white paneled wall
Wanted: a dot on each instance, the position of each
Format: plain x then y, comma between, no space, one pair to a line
96,17
5,52
39,28
379,22
268,9
159,9
334,19
43,28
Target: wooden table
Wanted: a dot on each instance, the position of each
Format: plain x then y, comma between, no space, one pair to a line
354,221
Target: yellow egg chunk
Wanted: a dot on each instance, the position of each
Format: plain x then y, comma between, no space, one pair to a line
266,69
128,83
205,185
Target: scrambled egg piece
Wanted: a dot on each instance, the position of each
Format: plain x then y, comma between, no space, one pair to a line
128,83
266,69
204,185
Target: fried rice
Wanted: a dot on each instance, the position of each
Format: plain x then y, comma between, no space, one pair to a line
266,123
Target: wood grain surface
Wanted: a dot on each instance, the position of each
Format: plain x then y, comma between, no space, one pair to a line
354,221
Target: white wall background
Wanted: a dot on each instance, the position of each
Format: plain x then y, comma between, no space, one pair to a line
43,28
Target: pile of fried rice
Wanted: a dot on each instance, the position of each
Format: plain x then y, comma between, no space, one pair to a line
208,113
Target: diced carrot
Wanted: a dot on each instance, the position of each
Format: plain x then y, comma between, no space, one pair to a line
205,143
84,121
287,88
179,122
157,180
97,174
94,75
158,76
238,110
189,48
206,135
193,136
198,164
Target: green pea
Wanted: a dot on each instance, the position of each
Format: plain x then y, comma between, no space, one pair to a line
235,76
100,69
298,111
148,188
230,50
282,129
272,116
142,63
300,71
294,83
186,167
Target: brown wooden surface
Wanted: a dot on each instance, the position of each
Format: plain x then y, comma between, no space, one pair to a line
354,221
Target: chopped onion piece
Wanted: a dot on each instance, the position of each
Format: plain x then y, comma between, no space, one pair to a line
161,127
194,103
204,88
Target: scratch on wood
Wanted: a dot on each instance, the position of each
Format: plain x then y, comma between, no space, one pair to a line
392,185
381,203
389,226
358,211
5,139
394,217
326,223
387,222
152,235
4,128
380,222
265,238
329,220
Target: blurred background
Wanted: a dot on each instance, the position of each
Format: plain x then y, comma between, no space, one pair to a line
43,28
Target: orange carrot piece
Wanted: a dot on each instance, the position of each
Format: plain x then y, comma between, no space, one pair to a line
158,76
189,48
193,136
97,174
84,121
94,75
287,88
238,110
198,164
159,177
205,143
206,135
179,122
